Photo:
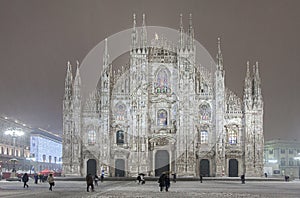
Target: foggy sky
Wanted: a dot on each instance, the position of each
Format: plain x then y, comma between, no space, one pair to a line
38,37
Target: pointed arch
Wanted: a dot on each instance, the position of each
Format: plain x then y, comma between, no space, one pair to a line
205,111
120,111
162,117
120,137
162,82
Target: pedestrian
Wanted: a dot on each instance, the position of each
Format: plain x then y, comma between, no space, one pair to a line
143,179
50,180
138,179
101,178
161,182
89,182
96,180
25,179
243,179
36,178
167,182
41,176
201,178
286,178
174,177
266,175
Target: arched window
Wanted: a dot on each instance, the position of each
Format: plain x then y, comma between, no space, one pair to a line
162,118
91,137
162,84
204,137
232,134
120,137
120,111
205,112
44,158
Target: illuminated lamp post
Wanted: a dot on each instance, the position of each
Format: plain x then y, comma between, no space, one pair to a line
298,159
14,132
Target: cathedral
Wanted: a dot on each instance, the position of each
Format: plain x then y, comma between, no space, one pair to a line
163,113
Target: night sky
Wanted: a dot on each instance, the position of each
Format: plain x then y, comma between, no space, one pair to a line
38,37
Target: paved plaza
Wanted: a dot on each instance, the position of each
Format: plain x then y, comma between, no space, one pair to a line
211,189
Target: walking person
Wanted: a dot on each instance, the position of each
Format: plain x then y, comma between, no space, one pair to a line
50,180
161,182
243,179
201,178
174,177
89,182
25,179
96,180
167,182
36,178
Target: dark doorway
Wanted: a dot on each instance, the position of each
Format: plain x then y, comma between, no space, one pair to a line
91,167
120,168
233,168
162,160
204,167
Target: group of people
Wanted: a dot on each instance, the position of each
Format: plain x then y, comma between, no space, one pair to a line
164,182
50,180
90,181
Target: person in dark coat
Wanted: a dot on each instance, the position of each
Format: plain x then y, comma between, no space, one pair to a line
161,182
174,177
89,182
36,178
167,182
243,179
25,179
201,178
139,179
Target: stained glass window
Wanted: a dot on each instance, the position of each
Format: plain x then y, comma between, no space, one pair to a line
120,112
205,112
120,137
204,137
91,137
161,84
162,118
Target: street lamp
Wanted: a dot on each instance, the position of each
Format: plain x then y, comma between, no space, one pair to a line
14,132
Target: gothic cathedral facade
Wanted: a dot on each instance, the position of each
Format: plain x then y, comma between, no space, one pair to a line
163,113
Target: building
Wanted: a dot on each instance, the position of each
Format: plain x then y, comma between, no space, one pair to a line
163,113
45,150
14,144
281,157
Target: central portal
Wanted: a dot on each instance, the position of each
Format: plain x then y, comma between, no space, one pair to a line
162,162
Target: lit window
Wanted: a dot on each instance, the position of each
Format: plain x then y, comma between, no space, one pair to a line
204,137
232,137
91,137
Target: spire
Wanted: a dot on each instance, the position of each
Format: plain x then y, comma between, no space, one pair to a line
68,81
134,34
77,82
105,55
248,87
219,56
143,34
181,33
190,34
257,82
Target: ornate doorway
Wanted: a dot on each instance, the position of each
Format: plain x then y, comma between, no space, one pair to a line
204,168
233,168
120,168
91,167
162,160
